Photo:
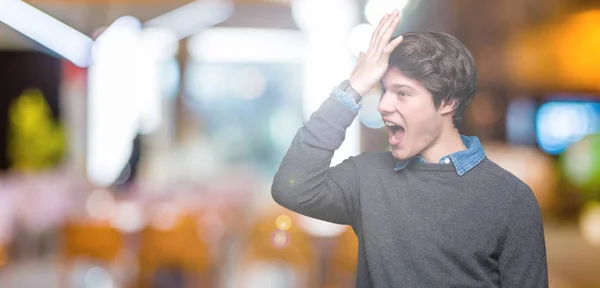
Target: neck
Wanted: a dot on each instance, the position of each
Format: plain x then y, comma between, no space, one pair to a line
447,143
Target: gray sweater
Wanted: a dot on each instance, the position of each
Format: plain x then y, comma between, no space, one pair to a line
423,226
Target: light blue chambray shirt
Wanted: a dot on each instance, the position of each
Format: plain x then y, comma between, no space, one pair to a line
463,160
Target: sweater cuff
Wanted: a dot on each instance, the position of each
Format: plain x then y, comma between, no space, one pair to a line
348,96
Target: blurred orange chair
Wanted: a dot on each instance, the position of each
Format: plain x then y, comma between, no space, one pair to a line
268,251
3,256
343,260
96,241
178,246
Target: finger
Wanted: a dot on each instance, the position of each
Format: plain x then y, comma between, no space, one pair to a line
388,49
383,30
388,46
385,37
376,31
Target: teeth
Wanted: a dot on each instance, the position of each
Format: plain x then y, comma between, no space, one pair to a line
390,124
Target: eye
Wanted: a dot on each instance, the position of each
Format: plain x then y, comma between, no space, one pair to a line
402,93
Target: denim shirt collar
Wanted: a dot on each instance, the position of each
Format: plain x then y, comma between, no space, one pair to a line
463,160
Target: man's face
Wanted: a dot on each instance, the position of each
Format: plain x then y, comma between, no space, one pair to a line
407,108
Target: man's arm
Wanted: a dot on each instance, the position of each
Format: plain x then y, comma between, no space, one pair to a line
304,182
523,249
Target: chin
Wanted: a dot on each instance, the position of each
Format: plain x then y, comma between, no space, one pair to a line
401,153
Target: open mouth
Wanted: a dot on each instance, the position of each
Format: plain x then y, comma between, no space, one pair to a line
396,132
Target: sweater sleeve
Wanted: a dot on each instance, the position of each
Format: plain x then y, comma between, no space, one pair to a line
305,182
522,261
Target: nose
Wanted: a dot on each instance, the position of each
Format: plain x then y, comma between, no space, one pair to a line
385,105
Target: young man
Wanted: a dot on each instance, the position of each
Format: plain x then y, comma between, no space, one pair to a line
433,212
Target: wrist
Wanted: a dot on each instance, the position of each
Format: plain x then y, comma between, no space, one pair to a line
347,87
359,88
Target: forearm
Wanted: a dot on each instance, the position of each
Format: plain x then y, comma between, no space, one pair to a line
305,182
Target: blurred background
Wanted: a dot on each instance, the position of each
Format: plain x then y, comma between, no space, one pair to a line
139,138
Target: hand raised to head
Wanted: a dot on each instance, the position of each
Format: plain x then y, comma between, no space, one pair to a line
373,63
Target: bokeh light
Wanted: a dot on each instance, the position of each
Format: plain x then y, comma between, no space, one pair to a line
158,43
589,223
269,274
98,277
128,217
48,31
520,122
280,239
283,222
100,204
114,108
319,228
375,9
311,15
259,45
581,163
164,217
560,124
360,38
368,114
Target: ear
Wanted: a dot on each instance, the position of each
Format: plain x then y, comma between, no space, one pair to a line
448,106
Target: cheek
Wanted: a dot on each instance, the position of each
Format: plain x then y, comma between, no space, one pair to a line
424,123
419,114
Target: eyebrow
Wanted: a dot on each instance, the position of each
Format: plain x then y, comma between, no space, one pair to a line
396,86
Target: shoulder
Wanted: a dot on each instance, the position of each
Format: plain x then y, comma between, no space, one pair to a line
517,192
519,208
492,170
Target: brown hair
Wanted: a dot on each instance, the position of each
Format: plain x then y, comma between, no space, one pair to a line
442,64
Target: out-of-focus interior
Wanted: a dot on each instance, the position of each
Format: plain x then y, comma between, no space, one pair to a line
139,138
